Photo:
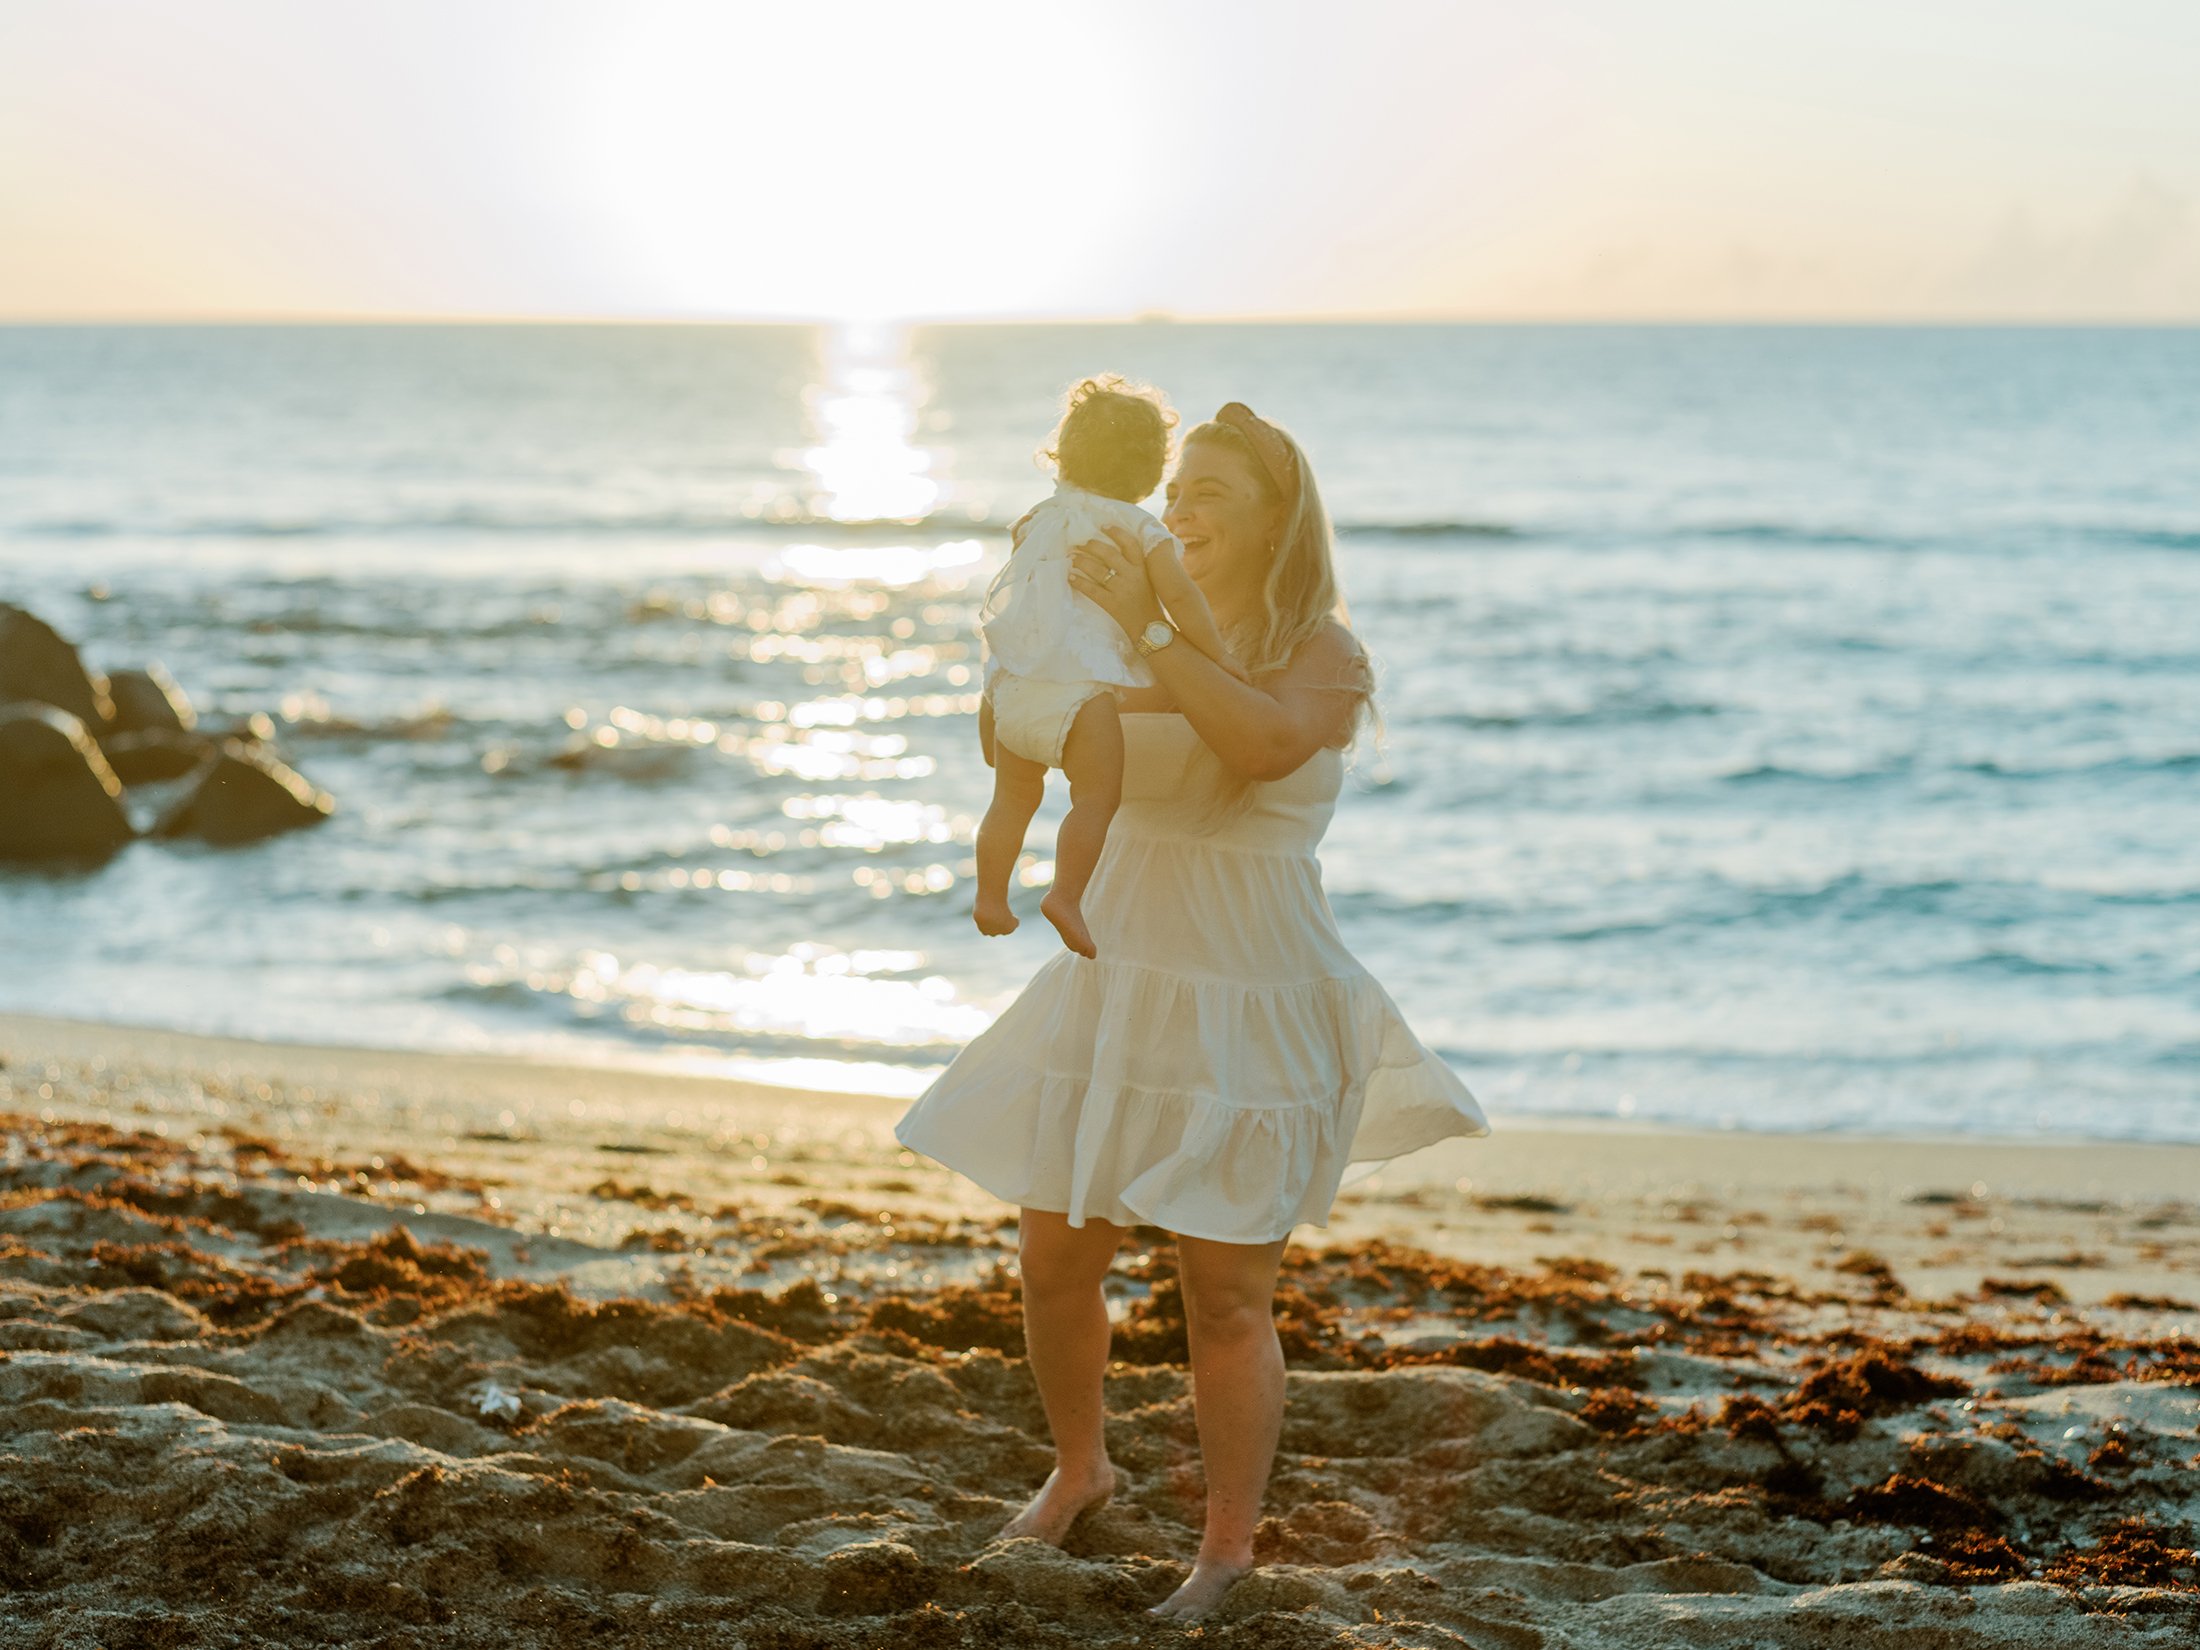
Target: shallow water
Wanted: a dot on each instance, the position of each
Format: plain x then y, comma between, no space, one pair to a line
1784,728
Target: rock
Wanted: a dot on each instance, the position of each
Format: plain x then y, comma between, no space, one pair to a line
243,794
148,698
38,664
156,754
58,797
256,729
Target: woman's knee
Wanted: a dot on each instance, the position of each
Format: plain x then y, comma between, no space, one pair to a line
1229,1288
1232,1317
1228,1306
1055,1256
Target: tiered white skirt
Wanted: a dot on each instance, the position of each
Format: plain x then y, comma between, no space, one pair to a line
1220,1093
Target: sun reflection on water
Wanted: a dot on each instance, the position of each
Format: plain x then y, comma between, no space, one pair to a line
864,410
812,994
896,566
826,670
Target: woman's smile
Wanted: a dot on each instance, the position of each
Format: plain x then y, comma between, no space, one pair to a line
1219,511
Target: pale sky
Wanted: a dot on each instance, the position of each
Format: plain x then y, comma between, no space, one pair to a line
1610,159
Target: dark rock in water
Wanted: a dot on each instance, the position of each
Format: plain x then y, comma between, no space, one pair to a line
256,729
148,698
243,794
156,754
58,797
38,664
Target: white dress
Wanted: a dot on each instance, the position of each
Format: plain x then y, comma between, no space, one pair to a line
1035,625
1224,1058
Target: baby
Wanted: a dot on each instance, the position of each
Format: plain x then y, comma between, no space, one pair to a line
1054,656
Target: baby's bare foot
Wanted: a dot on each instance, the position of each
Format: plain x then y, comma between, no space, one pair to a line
1202,1590
993,916
1069,922
1059,1503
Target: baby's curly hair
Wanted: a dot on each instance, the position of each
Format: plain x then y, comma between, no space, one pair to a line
1113,438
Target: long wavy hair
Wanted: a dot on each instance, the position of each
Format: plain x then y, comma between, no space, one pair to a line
1299,596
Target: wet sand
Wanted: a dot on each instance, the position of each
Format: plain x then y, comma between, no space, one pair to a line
316,1345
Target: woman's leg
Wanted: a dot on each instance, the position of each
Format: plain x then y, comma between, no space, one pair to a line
1237,1397
1066,1333
1093,759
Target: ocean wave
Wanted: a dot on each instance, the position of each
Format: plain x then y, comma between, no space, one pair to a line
1624,709
1850,897
471,520
2180,762
780,523
1431,529
1944,535
1364,904
2147,896
1853,895
2002,960
805,1014
1759,773
436,722
468,519
747,861
2152,538
628,1023
1795,532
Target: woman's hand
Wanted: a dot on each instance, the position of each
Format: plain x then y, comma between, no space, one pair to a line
1112,571
1262,732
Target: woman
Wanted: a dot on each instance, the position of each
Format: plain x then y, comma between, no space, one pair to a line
1214,1068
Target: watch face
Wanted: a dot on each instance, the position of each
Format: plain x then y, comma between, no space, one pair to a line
1158,634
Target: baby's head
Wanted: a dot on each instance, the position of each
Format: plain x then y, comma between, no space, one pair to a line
1113,438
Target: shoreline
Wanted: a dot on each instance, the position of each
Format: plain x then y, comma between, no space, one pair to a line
281,1054
2097,1218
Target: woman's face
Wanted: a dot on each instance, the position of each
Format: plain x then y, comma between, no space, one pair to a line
1217,509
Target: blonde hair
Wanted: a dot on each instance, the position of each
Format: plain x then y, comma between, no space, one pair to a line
1299,597
1113,438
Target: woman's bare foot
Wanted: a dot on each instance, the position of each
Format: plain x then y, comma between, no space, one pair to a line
1060,1501
1069,922
1202,1590
993,916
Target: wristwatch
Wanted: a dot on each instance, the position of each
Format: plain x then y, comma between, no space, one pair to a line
1156,636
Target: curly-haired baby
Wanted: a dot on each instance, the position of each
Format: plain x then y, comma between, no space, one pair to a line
1054,657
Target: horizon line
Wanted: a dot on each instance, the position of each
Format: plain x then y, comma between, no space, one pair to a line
370,318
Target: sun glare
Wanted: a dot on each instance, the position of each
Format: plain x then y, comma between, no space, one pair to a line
864,410
737,168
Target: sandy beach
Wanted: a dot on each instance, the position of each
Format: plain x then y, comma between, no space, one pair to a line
319,1345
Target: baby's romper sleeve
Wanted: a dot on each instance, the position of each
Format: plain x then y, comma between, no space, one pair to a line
1153,536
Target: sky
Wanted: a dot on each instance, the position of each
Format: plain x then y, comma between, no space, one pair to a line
711,159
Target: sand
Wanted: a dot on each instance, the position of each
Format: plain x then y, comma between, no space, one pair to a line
330,1346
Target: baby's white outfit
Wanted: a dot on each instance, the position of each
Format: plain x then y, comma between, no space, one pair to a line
1050,648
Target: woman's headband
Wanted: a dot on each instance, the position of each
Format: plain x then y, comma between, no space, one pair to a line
1269,445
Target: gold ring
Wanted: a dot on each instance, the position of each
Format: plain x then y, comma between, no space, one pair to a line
1108,577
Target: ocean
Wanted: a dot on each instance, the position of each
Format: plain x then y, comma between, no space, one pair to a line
1782,728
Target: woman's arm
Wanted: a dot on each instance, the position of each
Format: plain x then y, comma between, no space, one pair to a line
1187,608
1264,731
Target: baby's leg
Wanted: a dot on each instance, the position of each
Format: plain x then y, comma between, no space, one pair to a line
1018,784
1093,759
